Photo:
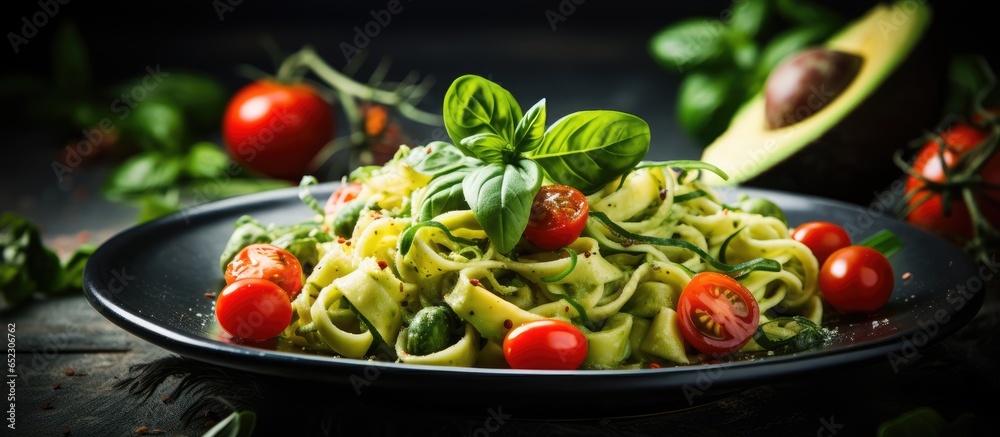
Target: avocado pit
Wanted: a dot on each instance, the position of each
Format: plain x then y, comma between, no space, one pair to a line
805,83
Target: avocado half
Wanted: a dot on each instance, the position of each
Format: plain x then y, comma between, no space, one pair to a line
844,150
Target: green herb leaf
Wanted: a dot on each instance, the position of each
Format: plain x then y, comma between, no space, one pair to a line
444,194
706,102
589,149
807,12
155,205
883,241
248,231
785,44
346,218
750,16
686,165
151,171
500,196
692,43
155,126
790,334
435,158
475,105
26,265
530,129
488,147
206,160
71,278
736,271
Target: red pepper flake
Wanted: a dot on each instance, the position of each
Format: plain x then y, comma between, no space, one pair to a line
165,399
70,371
428,150
663,194
141,429
340,240
725,212
348,243
566,309
654,366
47,405
400,287
382,264
907,275
210,295
56,386
325,228
474,282
507,324
586,254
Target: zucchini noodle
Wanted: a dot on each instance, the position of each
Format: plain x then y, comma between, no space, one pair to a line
619,282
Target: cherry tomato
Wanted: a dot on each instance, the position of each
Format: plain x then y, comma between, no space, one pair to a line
822,238
717,314
266,261
342,195
558,216
547,344
856,279
253,309
276,129
929,214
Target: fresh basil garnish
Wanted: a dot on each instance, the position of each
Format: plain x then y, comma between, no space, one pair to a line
474,105
530,130
500,196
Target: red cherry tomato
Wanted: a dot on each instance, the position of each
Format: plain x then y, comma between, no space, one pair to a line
342,195
558,216
856,279
717,314
266,261
823,238
277,129
928,206
547,344
253,309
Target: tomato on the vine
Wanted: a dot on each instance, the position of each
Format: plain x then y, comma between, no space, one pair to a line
341,196
547,344
558,216
822,238
269,262
253,309
926,205
856,279
717,314
277,129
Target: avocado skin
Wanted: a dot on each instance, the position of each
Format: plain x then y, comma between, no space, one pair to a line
854,159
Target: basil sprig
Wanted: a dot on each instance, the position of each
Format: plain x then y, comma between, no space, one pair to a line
508,154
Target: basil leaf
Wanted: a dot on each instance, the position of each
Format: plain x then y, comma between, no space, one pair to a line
26,265
206,160
141,173
248,231
487,147
692,43
156,126
433,159
474,105
588,149
706,102
750,16
807,12
501,196
530,129
346,218
443,194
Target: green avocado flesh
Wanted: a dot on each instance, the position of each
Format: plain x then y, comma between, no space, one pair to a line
844,150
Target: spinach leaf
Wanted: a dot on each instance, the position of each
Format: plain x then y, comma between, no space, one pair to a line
443,194
474,105
500,196
437,157
487,147
589,149
530,129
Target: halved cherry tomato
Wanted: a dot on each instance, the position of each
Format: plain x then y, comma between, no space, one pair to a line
547,344
717,314
927,204
270,262
558,216
277,129
823,238
253,309
856,279
342,195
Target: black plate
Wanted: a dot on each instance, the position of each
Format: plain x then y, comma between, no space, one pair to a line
151,280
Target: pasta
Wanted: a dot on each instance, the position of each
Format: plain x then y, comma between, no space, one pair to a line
364,290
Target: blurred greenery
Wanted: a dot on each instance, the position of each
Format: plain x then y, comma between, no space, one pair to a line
724,61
